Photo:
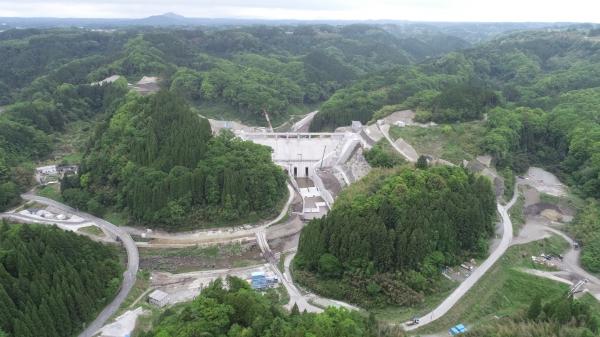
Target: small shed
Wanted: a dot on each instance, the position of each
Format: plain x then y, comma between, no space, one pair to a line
158,298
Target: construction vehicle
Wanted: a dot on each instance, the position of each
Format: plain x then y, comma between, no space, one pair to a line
413,321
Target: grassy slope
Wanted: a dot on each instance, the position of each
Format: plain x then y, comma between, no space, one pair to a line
93,230
403,314
516,213
504,290
116,218
451,142
69,145
51,191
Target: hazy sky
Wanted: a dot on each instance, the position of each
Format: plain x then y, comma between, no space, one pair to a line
414,10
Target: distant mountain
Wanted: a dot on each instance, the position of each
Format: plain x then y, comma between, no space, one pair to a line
166,19
470,31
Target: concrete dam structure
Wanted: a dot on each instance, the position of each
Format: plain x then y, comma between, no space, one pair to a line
298,153
302,154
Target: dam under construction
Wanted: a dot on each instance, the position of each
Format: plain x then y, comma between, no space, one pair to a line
319,164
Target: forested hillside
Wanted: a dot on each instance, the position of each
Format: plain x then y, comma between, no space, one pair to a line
158,161
28,129
531,68
540,92
239,311
236,73
51,281
387,236
249,69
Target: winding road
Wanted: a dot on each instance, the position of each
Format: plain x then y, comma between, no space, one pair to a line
209,236
129,276
296,296
386,134
467,284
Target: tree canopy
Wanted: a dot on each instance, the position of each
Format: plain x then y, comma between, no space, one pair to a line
52,281
159,161
240,311
46,77
390,232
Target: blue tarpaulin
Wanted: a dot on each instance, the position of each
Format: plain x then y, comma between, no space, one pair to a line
457,329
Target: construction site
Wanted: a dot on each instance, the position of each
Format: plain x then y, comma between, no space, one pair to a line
319,167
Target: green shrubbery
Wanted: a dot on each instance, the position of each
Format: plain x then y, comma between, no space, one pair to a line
396,231
382,155
562,316
239,311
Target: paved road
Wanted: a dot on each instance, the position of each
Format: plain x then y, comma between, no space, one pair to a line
572,263
129,276
399,150
32,219
467,284
545,182
321,301
304,124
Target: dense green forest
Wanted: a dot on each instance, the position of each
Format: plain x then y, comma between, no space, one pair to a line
238,311
538,92
159,161
531,68
387,236
28,129
250,69
239,73
52,281
586,228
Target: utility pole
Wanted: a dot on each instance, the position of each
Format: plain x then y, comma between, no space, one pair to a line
323,157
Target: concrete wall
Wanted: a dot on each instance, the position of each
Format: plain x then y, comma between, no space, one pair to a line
319,184
347,150
298,147
308,151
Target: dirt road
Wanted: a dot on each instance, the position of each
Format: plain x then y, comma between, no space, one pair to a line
295,294
208,236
